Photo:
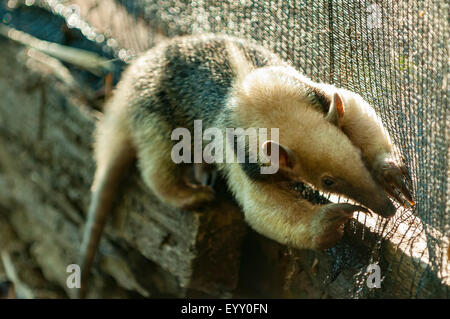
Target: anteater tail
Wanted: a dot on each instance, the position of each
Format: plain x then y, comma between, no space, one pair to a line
114,153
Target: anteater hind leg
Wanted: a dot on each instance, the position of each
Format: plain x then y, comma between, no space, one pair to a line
174,184
113,153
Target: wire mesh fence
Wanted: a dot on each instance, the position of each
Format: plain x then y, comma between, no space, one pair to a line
393,53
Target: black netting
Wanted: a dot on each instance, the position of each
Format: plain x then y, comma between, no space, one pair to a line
393,53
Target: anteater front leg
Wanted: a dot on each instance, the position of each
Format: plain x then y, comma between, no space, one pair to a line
283,216
300,224
182,185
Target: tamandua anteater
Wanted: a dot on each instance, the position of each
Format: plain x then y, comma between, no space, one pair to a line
329,138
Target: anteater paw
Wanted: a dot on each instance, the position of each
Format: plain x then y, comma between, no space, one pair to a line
330,223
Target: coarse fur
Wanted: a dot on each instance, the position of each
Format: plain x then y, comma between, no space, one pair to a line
325,133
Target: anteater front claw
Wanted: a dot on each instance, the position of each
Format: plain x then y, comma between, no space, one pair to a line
332,219
347,208
340,213
395,180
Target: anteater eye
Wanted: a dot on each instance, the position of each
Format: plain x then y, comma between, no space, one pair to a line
327,181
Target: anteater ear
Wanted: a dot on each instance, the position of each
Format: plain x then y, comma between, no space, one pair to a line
285,157
336,112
